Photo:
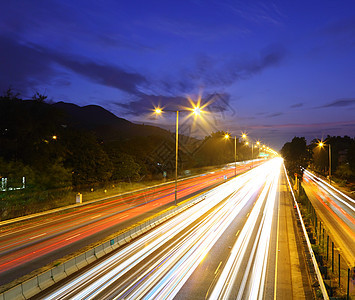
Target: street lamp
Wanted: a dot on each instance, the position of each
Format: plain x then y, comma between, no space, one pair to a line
196,110
256,145
321,145
227,136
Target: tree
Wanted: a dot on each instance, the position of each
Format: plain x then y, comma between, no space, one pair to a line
296,155
343,171
86,159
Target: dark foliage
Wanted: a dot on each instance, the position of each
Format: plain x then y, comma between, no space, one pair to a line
296,155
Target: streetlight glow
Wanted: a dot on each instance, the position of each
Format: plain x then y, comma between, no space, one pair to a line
226,136
158,111
196,111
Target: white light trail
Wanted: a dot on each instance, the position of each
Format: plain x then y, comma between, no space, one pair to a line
164,275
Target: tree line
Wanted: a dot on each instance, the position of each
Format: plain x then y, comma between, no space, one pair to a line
298,155
35,142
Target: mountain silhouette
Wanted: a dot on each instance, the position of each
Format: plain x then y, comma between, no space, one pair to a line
105,124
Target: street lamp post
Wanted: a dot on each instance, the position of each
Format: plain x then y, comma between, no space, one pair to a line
176,154
321,145
256,145
196,110
227,136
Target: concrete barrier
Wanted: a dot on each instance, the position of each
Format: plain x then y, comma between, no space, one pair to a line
135,234
115,243
107,247
70,267
58,273
90,256
45,280
99,251
14,294
80,261
122,242
30,287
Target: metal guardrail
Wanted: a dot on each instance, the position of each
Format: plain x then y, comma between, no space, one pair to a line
315,264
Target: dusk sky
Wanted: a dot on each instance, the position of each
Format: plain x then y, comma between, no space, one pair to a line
276,69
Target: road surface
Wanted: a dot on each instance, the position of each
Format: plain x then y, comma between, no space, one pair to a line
337,212
29,245
239,243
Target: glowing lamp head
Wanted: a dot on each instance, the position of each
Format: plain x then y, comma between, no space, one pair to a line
158,111
226,136
244,136
196,111
321,144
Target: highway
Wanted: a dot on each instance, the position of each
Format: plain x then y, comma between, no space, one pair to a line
31,244
223,247
337,212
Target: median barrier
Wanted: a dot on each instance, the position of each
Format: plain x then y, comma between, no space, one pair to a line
107,247
80,261
30,287
122,242
99,251
90,256
1,296
58,273
14,294
70,266
115,243
45,280
135,234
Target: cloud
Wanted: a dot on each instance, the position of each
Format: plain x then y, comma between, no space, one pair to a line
217,102
28,66
107,75
343,31
22,66
305,125
296,105
213,72
340,103
274,115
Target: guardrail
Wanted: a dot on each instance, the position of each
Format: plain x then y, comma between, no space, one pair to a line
314,261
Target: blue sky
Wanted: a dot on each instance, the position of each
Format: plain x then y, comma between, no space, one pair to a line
276,69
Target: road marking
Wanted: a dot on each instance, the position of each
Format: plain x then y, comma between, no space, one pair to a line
248,214
36,236
95,216
215,272
123,216
237,233
72,237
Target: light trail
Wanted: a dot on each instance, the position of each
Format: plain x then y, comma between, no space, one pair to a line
258,256
329,189
186,240
335,211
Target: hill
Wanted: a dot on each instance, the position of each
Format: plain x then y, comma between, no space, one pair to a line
105,124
